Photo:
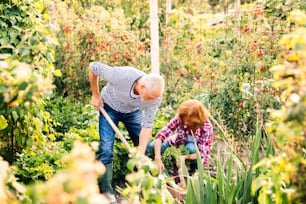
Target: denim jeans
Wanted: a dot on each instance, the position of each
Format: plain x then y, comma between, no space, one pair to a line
190,146
132,122
150,147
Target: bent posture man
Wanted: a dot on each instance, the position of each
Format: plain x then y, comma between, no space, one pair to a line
130,96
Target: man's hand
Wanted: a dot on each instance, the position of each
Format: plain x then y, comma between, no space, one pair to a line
97,101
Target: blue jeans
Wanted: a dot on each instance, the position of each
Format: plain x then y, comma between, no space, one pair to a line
190,146
150,147
132,122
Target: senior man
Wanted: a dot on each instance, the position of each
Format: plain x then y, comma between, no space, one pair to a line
131,97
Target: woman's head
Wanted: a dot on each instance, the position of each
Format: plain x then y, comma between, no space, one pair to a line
192,113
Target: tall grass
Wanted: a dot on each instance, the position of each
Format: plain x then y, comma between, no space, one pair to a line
232,181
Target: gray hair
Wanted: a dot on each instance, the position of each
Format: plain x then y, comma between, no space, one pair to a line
153,81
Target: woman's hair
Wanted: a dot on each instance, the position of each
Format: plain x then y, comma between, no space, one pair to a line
194,112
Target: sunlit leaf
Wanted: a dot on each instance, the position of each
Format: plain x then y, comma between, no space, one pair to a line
3,122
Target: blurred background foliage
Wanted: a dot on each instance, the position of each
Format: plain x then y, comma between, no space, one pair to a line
208,51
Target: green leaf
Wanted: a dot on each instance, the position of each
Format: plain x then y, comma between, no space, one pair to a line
190,193
146,168
147,182
131,164
29,142
15,115
3,122
33,41
23,86
19,138
15,1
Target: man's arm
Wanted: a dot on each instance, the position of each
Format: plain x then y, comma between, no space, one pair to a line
147,124
157,154
144,138
96,100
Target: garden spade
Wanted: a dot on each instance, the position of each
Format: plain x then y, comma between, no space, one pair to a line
115,128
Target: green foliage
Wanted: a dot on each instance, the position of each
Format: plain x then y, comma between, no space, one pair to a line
186,73
163,116
76,183
97,35
39,164
69,113
232,181
28,124
282,176
171,155
120,160
11,191
244,63
143,185
280,8
65,122
26,70
26,35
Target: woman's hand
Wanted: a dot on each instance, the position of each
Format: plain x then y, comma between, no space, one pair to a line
183,159
160,165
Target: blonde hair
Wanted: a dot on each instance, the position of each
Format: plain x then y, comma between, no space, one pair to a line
193,111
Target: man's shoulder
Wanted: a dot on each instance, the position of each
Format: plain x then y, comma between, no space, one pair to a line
130,69
129,73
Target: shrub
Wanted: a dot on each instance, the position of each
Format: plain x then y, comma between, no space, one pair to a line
283,176
26,70
11,191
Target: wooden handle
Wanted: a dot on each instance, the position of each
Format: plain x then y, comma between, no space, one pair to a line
115,128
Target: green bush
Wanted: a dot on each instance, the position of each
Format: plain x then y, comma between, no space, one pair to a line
68,113
283,175
96,35
76,183
65,122
244,88
39,164
144,185
11,190
26,55
171,155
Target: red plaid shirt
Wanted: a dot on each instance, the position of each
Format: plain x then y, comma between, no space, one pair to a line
203,136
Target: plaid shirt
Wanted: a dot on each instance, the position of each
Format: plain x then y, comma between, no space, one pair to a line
203,136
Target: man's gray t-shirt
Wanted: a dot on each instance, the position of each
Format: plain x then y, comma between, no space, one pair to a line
117,92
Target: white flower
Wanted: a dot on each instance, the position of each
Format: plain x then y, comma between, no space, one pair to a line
3,65
295,98
22,72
